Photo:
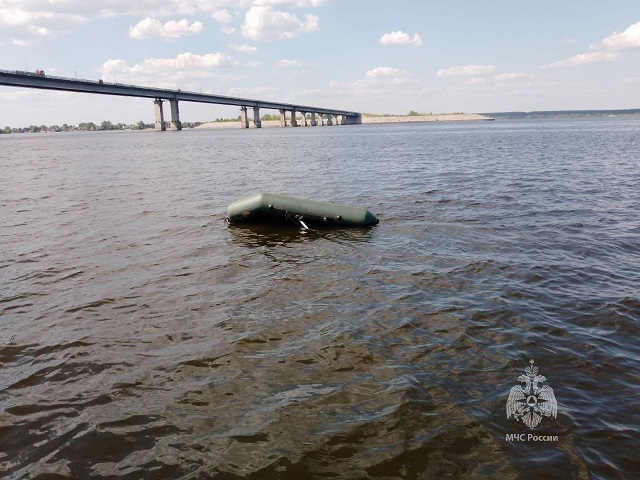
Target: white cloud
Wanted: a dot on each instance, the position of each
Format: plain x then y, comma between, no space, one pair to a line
243,48
222,16
477,81
265,23
14,14
165,71
383,72
290,63
584,58
511,76
29,27
466,70
401,38
607,51
172,30
23,43
41,32
387,76
629,39
293,63
63,15
375,77
34,36
31,12
377,85
228,30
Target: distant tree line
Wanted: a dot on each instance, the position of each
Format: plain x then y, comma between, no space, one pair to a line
221,120
565,113
412,113
265,118
107,125
88,127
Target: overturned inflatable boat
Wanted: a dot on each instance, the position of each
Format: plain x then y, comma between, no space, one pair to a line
269,207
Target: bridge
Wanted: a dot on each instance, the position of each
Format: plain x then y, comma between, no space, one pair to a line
39,80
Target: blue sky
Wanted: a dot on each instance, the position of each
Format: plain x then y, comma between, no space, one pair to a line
377,56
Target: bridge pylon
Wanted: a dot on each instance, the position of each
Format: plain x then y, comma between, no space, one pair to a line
160,125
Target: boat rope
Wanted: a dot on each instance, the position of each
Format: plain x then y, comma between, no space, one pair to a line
297,220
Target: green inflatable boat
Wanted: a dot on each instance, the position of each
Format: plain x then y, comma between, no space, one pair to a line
269,207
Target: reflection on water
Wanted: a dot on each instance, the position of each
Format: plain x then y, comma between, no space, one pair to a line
143,337
281,234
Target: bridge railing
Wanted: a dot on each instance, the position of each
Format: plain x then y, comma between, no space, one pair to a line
96,82
71,79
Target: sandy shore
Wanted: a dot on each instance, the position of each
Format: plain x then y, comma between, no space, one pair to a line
450,117
265,123
369,119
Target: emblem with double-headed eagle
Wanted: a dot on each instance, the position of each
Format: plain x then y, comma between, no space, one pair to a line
532,402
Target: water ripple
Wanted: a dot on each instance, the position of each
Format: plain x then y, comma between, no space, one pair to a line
141,337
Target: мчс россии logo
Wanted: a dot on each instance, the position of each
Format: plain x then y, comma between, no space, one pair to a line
533,401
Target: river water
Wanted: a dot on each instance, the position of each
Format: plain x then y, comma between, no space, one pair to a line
142,337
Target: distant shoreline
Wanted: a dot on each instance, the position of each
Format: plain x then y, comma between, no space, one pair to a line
446,117
373,119
628,112
368,119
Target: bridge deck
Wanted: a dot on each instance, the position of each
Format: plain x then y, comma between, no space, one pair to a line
46,82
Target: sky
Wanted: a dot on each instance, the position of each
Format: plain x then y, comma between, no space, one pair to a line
371,56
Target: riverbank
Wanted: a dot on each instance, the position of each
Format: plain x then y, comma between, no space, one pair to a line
449,117
370,119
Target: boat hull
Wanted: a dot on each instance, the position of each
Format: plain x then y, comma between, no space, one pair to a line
270,207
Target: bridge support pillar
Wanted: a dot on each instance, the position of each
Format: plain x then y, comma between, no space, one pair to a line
256,117
337,119
176,124
283,118
313,119
304,119
329,120
244,119
159,115
294,122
